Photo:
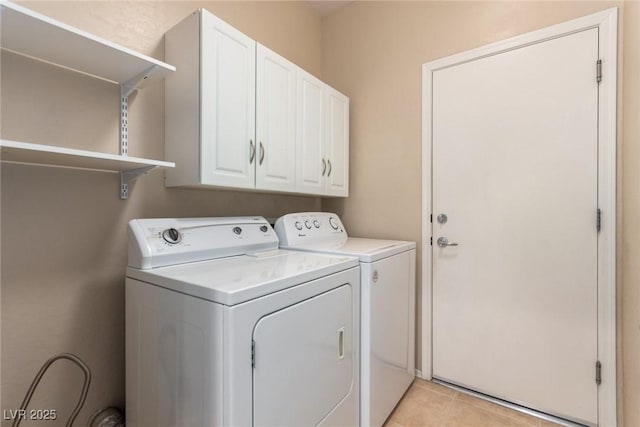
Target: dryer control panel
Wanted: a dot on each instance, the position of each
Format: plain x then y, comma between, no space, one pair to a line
170,241
309,227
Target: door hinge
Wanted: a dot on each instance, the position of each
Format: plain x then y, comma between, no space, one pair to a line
599,70
431,241
598,219
253,354
598,372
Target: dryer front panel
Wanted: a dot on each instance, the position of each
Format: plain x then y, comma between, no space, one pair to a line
304,361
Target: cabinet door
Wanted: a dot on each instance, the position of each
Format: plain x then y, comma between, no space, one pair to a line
337,143
275,121
227,105
311,165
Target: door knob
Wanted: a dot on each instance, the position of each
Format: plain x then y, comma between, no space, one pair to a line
443,242
442,218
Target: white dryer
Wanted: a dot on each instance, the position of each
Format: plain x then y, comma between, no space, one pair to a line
225,329
387,289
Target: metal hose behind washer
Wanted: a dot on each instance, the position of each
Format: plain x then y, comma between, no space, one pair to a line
85,387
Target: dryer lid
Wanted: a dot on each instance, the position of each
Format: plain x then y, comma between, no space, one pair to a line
237,279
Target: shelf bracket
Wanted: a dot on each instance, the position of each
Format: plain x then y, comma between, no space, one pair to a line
136,82
124,123
126,176
126,89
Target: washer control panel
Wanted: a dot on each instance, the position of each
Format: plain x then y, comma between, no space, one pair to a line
162,242
306,227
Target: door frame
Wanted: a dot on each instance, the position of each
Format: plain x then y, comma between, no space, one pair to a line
606,22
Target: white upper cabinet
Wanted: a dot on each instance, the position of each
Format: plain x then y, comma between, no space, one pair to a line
275,121
311,165
337,143
228,104
210,104
239,115
322,138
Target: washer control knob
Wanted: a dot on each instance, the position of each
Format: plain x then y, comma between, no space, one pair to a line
316,223
333,223
237,230
172,236
298,225
307,224
264,228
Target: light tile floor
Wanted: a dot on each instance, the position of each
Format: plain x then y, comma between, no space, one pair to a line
427,404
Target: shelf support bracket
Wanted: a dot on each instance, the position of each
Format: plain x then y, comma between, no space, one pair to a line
126,176
124,123
126,89
137,82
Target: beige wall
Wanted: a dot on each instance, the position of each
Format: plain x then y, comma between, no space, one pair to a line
64,231
630,295
373,51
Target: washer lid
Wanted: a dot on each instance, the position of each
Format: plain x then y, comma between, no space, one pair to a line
237,279
367,250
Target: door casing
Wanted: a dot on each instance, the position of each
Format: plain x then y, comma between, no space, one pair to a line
606,22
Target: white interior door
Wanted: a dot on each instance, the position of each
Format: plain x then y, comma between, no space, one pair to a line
515,156
275,121
304,360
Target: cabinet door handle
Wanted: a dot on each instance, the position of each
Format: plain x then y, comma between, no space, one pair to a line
330,168
324,167
252,151
261,153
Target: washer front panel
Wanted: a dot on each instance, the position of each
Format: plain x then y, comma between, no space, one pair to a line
387,334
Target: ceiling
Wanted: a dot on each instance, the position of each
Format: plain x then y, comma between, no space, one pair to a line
326,7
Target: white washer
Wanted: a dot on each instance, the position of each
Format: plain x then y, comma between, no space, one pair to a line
225,329
387,287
